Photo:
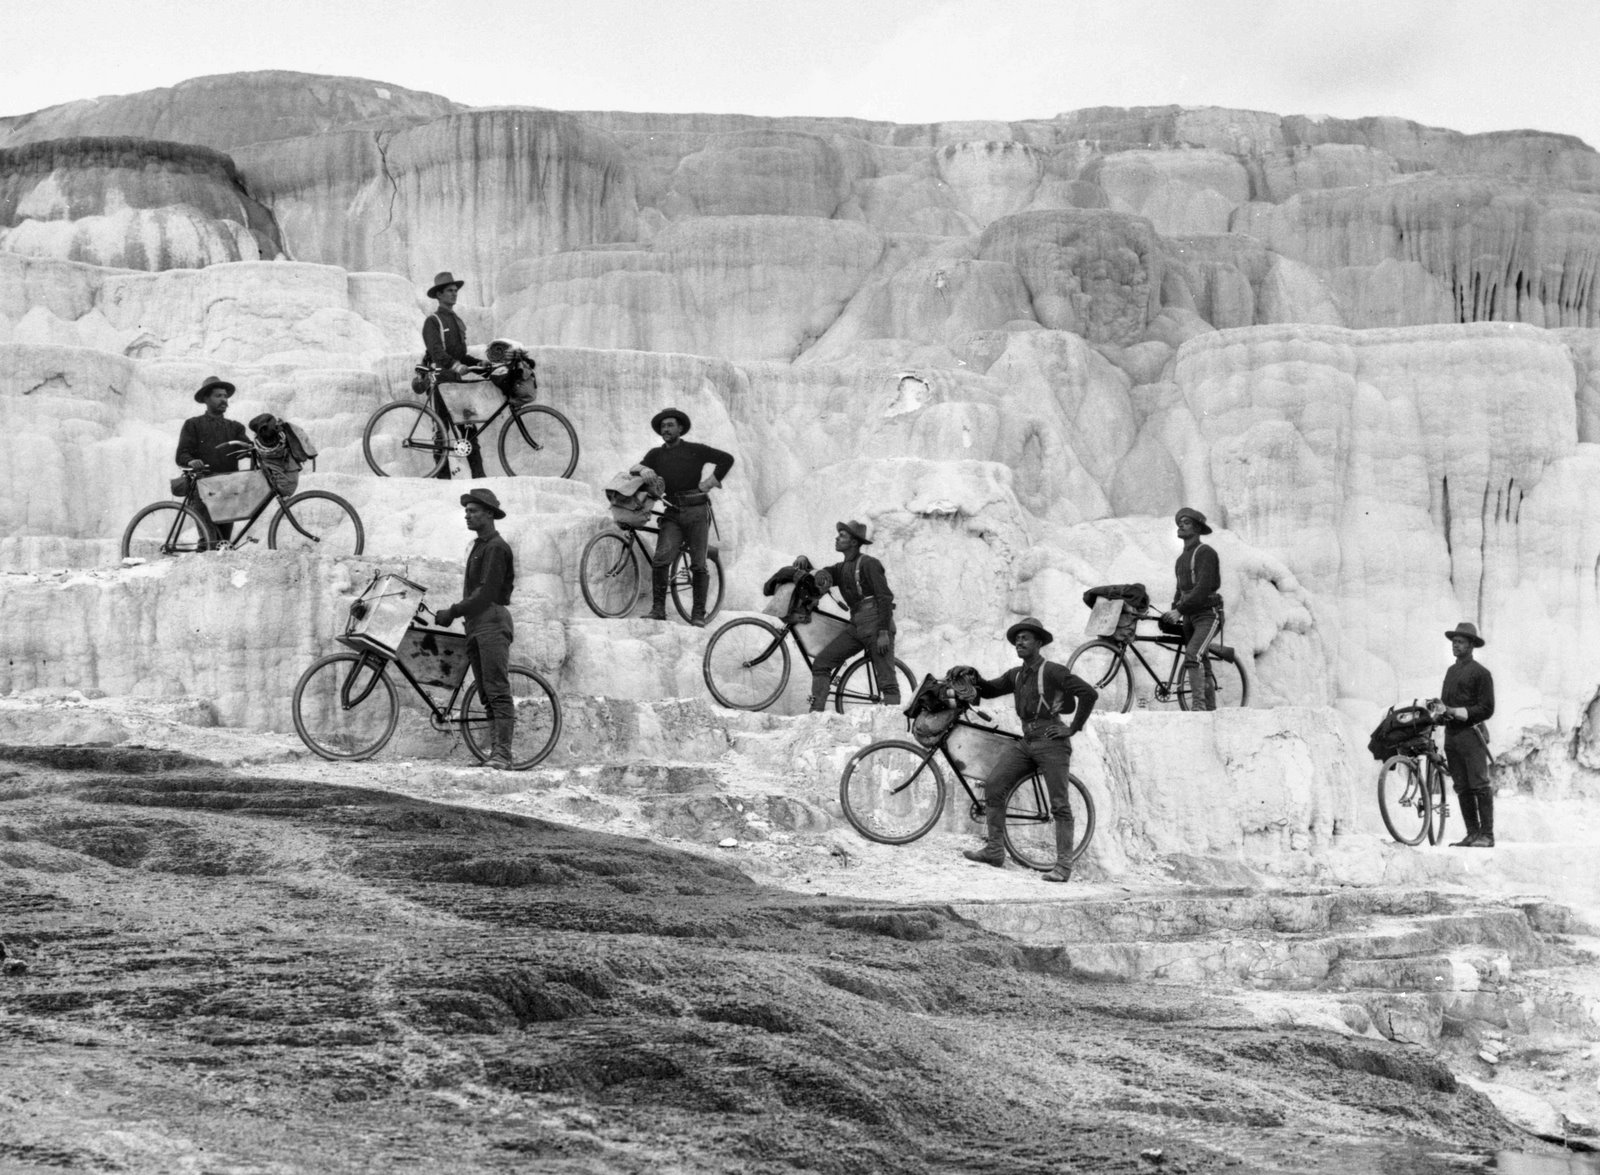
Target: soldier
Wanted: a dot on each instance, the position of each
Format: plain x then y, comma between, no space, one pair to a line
486,590
1465,701
861,581
1043,690
1197,605
205,444
687,519
444,336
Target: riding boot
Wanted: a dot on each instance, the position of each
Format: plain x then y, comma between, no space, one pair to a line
658,594
819,691
1485,837
993,851
502,734
700,582
1064,839
1468,803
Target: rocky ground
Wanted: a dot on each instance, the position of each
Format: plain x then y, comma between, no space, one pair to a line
235,969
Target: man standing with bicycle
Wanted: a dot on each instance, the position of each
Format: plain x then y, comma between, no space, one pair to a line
444,337
687,519
1043,690
205,443
865,589
485,593
1466,701
1197,606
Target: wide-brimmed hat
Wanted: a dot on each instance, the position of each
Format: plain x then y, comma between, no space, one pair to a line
856,530
668,414
484,498
1029,624
1469,630
1193,516
442,279
211,384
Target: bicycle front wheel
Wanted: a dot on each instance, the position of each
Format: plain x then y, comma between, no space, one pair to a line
537,441
746,664
1434,777
1031,825
892,792
166,528
345,706
1403,800
538,716
608,574
682,583
1104,665
403,439
1229,685
858,684
317,521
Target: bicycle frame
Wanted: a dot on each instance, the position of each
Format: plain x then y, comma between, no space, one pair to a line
192,501
457,429
787,632
441,718
1166,690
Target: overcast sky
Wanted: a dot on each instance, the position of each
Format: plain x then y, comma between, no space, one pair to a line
1472,65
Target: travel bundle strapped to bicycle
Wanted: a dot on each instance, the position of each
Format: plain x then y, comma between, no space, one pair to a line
408,438
893,791
346,706
1104,660
614,569
747,662
314,520
1412,796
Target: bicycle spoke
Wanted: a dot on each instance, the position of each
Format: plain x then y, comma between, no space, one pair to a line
892,792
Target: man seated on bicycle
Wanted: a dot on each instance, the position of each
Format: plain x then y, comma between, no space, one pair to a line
1043,690
687,518
1197,606
861,581
486,588
444,337
206,442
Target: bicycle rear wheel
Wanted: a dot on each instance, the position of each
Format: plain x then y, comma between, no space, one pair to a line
746,664
1031,826
682,584
1229,684
892,792
858,684
608,574
317,521
1403,800
538,712
166,528
403,439
537,441
345,706
1435,777
1104,665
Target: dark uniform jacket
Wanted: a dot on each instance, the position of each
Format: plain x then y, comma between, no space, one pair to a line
1471,685
679,466
490,577
445,337
1199,576
205,437
861,580
1061,689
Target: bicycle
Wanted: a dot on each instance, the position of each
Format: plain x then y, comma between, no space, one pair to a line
612,578
746,663
346,707
316,519
893,791
1103,663
405,438
1411,791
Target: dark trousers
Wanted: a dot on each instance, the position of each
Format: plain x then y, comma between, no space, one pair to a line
862,634
489,637
1197,633
680,526
1468,760
474,458
1050,757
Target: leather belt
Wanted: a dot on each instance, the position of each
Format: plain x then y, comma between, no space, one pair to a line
1038,726
690,498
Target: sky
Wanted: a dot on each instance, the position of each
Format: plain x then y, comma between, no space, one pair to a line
1470,65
